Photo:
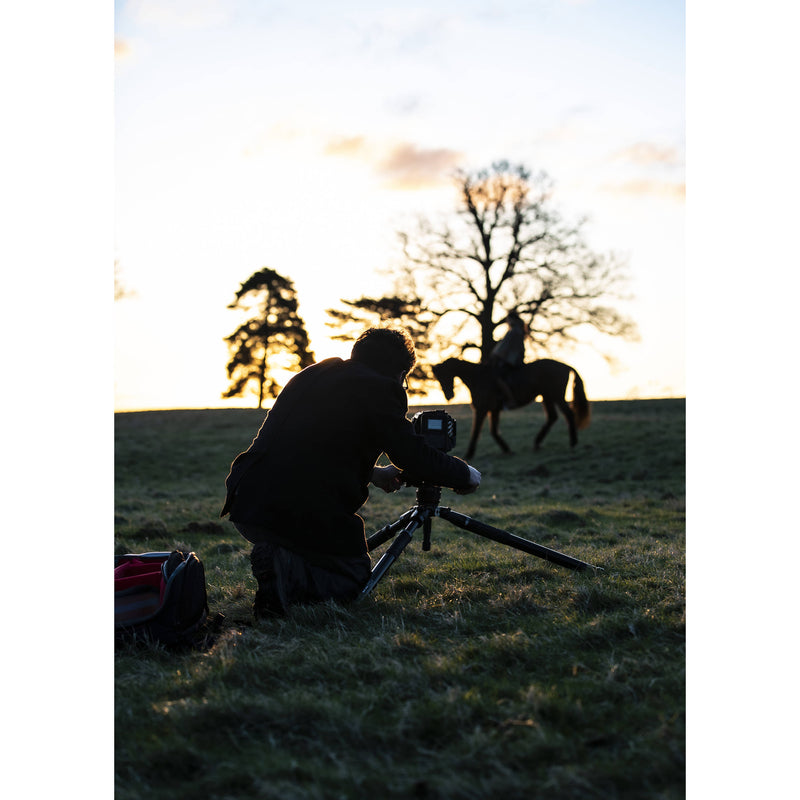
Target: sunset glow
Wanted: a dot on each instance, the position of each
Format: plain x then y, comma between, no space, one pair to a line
301,138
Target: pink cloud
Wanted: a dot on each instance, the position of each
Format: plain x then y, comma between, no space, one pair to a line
672,190
352,146
649,153
410,167
404,166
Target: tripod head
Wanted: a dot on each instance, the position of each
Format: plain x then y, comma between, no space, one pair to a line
427,495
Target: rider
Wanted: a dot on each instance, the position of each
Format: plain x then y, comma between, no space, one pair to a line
509,354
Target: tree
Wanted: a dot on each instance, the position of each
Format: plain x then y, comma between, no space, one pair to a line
273,338
508,249
407,311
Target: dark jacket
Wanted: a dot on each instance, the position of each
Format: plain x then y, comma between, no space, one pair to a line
307,471
510,350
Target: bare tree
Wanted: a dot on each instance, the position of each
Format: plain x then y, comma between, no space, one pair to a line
274,337
507,249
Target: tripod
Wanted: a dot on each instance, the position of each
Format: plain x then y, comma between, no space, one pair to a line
420,515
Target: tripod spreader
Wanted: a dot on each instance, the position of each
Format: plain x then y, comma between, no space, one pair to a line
420,515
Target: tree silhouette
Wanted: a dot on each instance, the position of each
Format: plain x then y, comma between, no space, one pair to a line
506,248
407,311
273,338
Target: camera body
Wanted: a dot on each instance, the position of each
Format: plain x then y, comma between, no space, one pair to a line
437,428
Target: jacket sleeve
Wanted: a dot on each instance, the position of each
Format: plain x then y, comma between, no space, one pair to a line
408,451
241,464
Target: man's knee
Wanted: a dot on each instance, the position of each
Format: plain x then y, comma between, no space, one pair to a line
342,582
285,575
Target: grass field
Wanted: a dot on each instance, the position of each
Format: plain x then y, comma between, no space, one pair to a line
472,671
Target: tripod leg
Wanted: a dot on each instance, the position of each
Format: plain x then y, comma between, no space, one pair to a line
417,518
426,534
504,537
386,533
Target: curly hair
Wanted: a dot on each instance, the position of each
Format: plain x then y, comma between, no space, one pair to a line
386,350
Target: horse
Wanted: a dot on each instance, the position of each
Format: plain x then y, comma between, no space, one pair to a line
546,378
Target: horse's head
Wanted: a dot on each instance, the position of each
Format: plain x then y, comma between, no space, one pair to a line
445,377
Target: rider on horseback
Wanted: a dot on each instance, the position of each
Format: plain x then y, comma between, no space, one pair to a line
509,354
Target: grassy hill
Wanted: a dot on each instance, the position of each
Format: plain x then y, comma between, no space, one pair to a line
472,671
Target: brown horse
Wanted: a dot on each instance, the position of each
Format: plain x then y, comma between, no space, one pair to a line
545,378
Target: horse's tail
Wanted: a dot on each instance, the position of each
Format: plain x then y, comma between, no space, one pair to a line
580,405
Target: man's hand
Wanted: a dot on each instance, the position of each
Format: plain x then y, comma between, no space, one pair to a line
474,482
387,478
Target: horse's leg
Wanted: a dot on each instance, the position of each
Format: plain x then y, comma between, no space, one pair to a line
552,416
494,425
478,416
569,416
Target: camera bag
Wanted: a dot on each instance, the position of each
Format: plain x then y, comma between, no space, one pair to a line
159,596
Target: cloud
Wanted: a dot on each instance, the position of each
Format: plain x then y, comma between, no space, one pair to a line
654,159
406,167
352,146
121,49
410,167
649,153
642,187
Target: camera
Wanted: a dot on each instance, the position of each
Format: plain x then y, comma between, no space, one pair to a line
437,428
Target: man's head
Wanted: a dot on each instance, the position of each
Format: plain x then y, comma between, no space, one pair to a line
388,351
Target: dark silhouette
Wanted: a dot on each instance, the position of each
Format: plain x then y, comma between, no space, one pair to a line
275,335
404,310
545,378
507,247
295,492
509,354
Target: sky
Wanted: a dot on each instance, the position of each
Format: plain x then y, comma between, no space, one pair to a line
173,167
301,136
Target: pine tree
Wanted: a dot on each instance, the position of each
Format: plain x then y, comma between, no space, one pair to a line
273,338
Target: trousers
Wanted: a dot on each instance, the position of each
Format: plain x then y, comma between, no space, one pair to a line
306,579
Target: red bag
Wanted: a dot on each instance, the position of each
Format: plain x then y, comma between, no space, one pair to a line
161,596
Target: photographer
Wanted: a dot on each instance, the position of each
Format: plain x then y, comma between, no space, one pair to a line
295,491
